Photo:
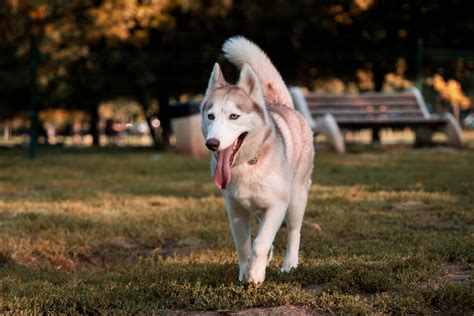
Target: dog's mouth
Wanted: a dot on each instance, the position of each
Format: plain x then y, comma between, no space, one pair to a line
225,160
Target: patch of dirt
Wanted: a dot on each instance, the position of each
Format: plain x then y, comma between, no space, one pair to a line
28,260
440,225
411,206
119,249
278,310
182,248
262,311
81,259
134,248
6,260
314,288
116,250
451,274
455,274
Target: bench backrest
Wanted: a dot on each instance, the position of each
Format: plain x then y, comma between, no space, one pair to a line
368,106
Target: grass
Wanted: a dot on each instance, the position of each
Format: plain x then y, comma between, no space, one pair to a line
135,231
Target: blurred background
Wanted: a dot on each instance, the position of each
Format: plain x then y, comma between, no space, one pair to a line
117,72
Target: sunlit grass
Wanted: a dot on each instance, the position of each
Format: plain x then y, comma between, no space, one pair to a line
85,231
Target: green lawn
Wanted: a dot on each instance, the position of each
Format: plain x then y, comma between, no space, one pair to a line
100,231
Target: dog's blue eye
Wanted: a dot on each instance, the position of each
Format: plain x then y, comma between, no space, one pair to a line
210,116
234,116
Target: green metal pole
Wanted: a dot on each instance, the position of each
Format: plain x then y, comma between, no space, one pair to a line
33,98
419,65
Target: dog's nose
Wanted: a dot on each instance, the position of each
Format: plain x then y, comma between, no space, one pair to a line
213,144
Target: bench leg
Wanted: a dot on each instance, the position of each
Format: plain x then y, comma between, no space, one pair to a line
376,135
453,131
327,125
423,136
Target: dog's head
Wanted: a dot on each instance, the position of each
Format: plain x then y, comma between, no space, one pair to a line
229,113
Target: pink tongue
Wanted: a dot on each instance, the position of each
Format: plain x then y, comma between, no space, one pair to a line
222,173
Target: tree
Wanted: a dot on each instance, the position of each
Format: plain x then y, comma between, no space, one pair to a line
158,49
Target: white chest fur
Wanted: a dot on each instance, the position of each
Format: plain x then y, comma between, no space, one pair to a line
257,188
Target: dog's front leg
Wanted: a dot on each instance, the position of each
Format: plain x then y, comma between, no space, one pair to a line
239,220
269,226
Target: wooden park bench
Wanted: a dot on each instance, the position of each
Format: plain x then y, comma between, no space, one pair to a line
329,114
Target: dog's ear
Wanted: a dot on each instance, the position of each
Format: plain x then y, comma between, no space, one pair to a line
249,82
216,80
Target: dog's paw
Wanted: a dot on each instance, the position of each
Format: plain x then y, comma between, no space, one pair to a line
288,266
290,263
256,274
244,267
255,278
243,272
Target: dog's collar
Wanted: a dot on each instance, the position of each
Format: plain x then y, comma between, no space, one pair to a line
254,160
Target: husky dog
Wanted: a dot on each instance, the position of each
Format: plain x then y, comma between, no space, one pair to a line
262,155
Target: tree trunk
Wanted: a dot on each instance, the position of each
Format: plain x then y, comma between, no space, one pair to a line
145,104
379,75
94,129
165,118
33,97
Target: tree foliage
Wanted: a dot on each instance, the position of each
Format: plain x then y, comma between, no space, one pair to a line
96,50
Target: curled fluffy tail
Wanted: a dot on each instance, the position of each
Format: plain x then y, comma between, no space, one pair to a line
239,51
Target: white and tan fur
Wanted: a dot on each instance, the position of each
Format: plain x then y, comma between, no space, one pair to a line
278,138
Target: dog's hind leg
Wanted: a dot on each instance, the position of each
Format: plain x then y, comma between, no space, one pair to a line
294,220
239,220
